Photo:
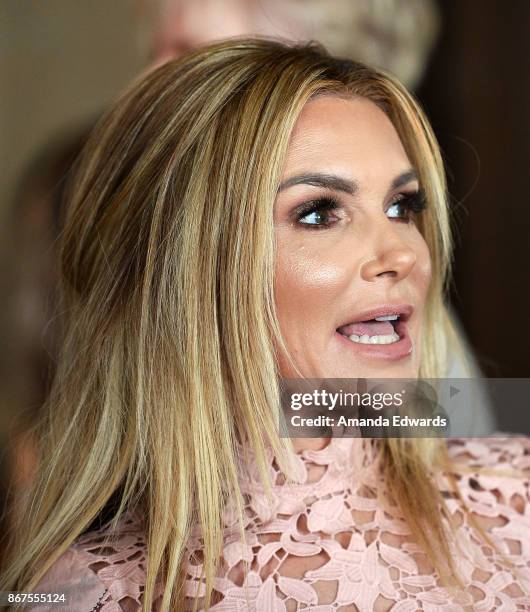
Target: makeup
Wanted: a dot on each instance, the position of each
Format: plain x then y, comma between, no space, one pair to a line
352,267
324,211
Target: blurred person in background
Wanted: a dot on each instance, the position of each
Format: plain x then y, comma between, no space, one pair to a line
397,35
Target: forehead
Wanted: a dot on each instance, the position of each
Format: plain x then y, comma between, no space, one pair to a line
349,135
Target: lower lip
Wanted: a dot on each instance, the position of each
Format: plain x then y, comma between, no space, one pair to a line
387,352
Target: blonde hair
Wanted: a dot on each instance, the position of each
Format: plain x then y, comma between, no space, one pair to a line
167,358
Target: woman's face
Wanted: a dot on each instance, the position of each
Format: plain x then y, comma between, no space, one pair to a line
348,248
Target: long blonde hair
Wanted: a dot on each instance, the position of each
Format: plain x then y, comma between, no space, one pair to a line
167,357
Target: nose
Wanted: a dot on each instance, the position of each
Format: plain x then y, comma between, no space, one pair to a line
394,257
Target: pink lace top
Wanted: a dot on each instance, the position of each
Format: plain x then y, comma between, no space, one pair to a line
325,544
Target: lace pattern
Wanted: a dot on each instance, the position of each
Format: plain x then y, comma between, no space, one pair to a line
326,543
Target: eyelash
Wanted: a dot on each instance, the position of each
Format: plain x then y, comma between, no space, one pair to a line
414,202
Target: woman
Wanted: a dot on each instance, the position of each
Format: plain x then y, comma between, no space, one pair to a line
233,219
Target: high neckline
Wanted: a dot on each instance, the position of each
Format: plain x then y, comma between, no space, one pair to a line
341,460
344,457
345,464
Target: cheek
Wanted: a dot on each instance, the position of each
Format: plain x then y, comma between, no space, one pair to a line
307,289
423,267
307,284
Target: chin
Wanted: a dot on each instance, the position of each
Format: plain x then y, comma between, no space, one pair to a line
339,357
346,359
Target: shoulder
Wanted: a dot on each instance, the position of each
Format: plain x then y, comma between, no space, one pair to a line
503,450
494,475
101,568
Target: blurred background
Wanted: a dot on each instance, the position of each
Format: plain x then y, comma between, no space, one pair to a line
63,62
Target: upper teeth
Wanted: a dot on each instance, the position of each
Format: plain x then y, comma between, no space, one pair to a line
387,318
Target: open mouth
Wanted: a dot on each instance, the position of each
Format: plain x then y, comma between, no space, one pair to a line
379,330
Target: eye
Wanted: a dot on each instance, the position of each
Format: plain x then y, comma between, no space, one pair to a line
317,213
405,204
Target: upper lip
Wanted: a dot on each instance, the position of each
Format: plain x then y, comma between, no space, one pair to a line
403,310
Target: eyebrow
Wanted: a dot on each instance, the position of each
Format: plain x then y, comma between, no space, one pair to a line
337,183
404,178
328,181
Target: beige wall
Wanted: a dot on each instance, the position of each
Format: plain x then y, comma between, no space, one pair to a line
61,61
